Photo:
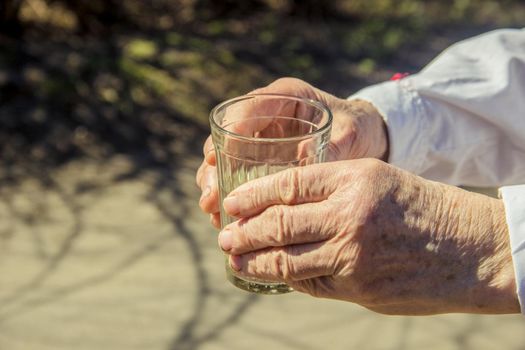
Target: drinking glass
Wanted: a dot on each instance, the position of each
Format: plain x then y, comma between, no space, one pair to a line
260,134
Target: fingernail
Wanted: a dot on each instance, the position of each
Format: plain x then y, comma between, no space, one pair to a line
231,205
211,180
225,240
215,222
205,193
209,156
236,262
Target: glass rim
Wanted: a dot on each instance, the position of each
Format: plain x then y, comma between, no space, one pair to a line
317,104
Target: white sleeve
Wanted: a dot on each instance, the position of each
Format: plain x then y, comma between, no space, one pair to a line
461,120
514,201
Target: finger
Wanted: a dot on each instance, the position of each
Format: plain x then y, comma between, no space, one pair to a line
209,201
200,173
209,151
208,145
253,115
211,158
215,220
237,117
308,152
290,86
277,226
342,139
286,264
311,183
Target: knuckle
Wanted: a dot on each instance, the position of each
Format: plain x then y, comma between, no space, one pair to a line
281,233
288,187
285,81
253,263
370,174
281,266
372,166
243,239
254,197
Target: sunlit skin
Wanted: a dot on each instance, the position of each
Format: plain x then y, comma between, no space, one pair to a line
358,131
363,231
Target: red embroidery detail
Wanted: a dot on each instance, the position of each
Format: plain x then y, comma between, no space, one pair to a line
399,76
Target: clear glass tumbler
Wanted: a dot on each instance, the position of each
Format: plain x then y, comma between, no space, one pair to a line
261,134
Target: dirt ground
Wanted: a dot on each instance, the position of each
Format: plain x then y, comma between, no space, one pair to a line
102,243
97,258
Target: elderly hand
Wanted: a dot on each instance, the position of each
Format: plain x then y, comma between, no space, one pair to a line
369,233
358,131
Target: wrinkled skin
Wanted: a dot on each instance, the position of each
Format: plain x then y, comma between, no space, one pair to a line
363,231
366,232
358,131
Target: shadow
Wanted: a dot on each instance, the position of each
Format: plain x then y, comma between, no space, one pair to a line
51,262
187,340
412,262
290,342
142,87
56,295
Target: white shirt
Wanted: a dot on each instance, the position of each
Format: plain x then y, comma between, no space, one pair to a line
461,120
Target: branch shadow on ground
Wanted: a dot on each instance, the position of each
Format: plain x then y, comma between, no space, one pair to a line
156,140
145,93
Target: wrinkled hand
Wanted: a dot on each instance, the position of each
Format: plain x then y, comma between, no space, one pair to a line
369,233
358,131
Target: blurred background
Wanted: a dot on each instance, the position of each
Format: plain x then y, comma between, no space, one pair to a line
103,112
